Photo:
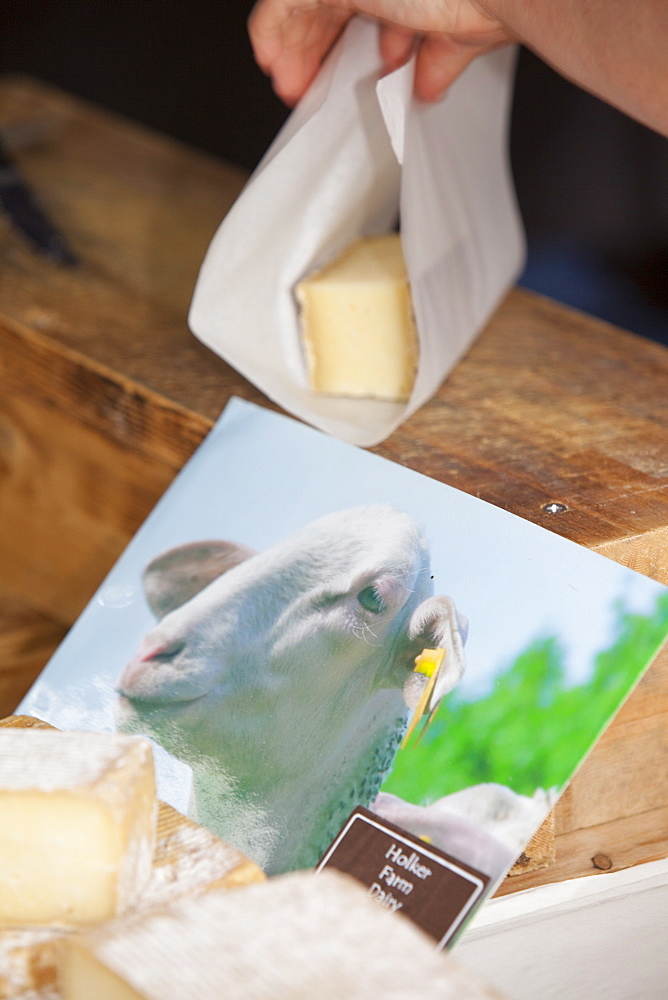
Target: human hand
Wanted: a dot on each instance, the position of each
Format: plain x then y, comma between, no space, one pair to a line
290,38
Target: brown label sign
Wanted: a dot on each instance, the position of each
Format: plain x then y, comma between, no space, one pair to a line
403,873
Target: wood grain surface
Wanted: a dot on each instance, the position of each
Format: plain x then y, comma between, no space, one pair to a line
27,640
105,394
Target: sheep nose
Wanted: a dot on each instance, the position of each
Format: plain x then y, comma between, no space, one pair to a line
150,651
163,652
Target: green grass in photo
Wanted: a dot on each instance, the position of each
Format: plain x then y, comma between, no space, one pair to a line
532,729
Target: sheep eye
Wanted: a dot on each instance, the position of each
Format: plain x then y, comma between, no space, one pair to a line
371,600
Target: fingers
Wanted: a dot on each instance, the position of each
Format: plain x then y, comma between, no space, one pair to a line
290,41
438,64
396,46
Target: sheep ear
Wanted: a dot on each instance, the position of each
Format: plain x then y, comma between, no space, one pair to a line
178,574
437,623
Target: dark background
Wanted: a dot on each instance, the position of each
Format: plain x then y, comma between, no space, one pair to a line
592,184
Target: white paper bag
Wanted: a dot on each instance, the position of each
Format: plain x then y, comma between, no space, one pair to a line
355,154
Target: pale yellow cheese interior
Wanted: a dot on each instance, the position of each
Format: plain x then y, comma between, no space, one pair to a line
357,323
77,825
83,977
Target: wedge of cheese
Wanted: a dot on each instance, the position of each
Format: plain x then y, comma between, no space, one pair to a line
298,935
357,323
77,828
188,861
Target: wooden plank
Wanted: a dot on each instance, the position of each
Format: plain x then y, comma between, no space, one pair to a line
614,813
551,405
633,840
139,210
27,640
101,377
74,494
106,394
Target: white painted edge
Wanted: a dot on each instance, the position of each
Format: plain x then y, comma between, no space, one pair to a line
562,897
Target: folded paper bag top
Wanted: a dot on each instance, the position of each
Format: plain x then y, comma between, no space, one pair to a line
356,153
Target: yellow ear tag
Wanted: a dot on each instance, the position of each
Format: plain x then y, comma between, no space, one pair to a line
429,663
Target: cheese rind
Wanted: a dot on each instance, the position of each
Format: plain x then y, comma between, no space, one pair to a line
188,860
78,825
357,323
297,935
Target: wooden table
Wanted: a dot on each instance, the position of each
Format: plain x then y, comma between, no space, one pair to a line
105,394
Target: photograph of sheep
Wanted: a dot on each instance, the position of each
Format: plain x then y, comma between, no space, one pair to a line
303,627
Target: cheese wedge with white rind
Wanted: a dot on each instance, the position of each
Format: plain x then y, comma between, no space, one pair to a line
298,935
188,861
78,820
357,323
